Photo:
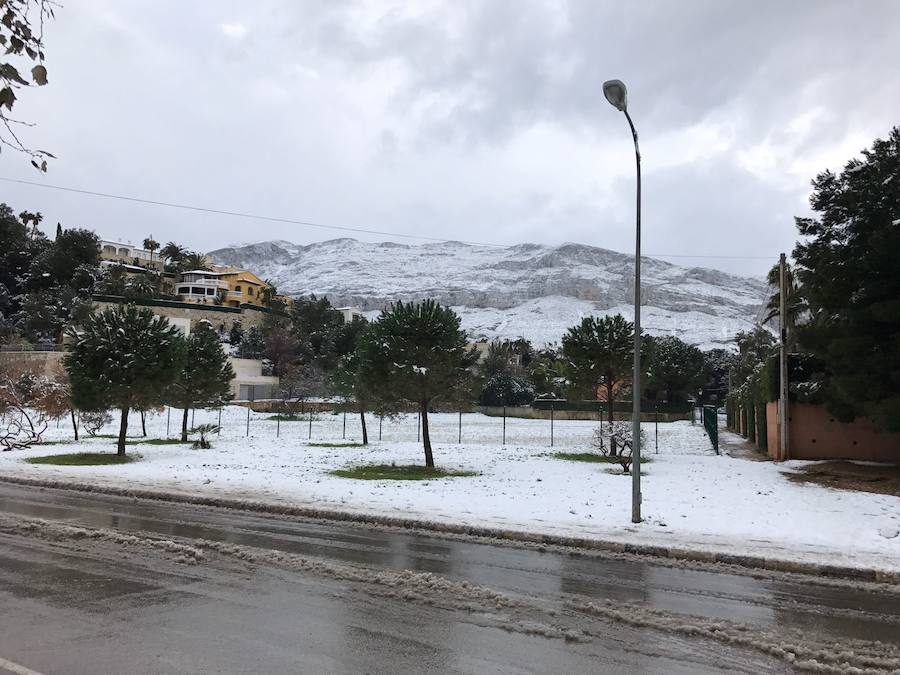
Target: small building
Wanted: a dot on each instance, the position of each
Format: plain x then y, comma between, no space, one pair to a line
350,313
249,384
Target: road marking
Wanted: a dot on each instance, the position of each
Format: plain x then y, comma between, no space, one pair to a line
16,668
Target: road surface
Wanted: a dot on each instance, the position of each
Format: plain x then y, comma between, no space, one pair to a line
101,584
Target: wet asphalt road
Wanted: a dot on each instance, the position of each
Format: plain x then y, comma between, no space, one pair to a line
83,607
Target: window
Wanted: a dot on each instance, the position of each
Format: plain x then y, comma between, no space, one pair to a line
197,291
183,290
210,291
250,290
124,251
237,289
109,250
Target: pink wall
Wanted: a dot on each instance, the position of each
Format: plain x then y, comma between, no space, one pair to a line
815,434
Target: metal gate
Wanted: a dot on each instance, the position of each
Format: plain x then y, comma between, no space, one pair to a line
711,424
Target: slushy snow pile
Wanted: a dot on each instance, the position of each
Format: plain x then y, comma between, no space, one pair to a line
691,497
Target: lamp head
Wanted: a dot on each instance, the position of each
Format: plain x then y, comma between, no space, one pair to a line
616,94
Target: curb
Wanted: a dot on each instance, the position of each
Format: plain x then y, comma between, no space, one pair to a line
674,553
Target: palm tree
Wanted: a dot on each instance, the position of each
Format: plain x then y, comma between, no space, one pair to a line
151,245
796,307
195,261
173,252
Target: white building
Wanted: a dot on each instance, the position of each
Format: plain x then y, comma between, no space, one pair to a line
117,251
200,285
350,313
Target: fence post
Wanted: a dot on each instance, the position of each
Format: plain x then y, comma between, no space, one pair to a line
504,425
278,425
168,419
310,424
419,426
459,440
219,430
551,425
344,434
193,410
380,422
248,420
656,427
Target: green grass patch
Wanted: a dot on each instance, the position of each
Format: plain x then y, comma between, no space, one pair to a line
394,472
592,457
349,444
83,459
164,441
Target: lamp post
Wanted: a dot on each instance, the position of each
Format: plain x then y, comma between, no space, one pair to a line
616,93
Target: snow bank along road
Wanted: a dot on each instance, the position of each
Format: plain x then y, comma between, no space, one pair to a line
693,499
92,583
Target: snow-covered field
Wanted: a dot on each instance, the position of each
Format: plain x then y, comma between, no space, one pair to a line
692,498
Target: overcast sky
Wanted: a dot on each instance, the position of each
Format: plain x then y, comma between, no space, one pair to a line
481,121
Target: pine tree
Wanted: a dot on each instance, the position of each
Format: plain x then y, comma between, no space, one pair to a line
503,383
600,353
674,367
347,378
253,344
416,352
205,376
847,266
349,381
236,335
317,326
125,358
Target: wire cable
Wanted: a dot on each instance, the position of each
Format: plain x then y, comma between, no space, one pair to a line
341,228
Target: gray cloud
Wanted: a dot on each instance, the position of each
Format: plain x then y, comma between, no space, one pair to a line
473,120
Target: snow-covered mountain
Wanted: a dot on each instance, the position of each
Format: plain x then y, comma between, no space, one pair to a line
529,290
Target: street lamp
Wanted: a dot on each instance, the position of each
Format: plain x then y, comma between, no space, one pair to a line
617,94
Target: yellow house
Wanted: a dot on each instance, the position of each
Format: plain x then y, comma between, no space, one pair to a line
245,288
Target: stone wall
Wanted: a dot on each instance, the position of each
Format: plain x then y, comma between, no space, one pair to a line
44,363
221,317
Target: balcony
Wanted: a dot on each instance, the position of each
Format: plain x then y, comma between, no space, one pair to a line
202,281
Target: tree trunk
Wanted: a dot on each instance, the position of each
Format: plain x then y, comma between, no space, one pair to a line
74,422
143,425
365,432
426,439
610,404
123,429
184,426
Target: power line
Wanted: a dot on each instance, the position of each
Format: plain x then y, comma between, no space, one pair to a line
341,228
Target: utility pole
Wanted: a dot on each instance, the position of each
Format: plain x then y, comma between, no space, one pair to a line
784,449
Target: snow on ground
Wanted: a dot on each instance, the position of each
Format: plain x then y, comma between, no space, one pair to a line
692,498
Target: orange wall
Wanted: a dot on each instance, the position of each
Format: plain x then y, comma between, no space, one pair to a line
815,434
773,440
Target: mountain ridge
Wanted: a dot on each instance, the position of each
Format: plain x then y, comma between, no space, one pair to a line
524,290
